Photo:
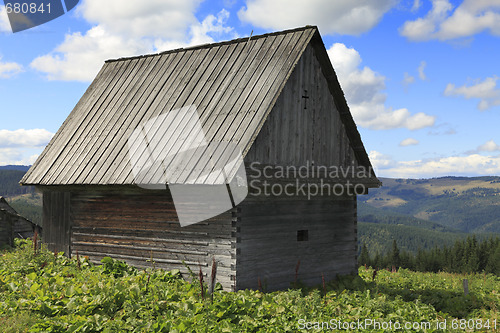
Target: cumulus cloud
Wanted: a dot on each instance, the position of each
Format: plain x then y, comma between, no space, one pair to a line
9,156
24,138
489,146
20,147
409,142
351,17
80,57
443,22
486,91
212,28
363,88
471,165
127,29
380,161
155,18
9,69
4,20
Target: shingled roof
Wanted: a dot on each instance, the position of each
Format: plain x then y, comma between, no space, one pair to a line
4,205
233,84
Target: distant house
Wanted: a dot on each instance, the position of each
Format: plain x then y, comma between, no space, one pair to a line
13,225
274,96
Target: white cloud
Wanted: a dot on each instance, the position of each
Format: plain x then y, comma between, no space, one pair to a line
9,156
380,161
351,17
363,89
409,142
421,68
202,33
21,147
486,91
442,129
471,165
24,138
211,25
4,20
80,57
442,23
168,19
408,79
416,5
9,69
489,146
126,30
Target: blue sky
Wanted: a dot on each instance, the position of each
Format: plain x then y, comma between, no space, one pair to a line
421,77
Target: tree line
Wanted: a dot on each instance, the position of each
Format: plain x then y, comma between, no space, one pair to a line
9,183
465,256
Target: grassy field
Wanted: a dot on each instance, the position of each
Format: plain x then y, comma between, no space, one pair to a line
47,292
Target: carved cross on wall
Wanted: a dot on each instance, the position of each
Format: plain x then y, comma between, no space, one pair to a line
305,97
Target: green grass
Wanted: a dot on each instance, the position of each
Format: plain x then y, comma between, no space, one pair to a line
50,293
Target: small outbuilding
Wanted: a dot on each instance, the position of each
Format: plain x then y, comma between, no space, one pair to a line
13,225
251,138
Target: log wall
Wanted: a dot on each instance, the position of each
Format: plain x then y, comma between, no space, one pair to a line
138,227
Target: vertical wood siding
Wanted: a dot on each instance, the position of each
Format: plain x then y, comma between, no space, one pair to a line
56,221
6,230
268,249
300,130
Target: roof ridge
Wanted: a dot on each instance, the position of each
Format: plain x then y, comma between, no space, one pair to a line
207,45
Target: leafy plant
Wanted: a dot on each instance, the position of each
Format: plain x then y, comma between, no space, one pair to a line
47,292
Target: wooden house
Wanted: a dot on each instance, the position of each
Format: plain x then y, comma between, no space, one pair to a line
275,96
13,225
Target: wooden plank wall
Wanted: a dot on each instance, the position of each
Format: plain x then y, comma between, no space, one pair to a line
268,249
300,130
56,221
6,235
23,228
136,227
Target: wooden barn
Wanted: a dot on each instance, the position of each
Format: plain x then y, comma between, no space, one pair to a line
276,97
13,225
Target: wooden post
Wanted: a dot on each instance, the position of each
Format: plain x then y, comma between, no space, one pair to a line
465,283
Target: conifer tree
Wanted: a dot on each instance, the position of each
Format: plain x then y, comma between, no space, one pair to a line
395,260
364,257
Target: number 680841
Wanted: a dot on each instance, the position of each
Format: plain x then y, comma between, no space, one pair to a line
25,8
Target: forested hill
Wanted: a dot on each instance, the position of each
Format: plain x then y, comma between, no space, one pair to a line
23,199
9,183
465,204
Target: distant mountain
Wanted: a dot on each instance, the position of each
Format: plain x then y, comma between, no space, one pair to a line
15,167
465,204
